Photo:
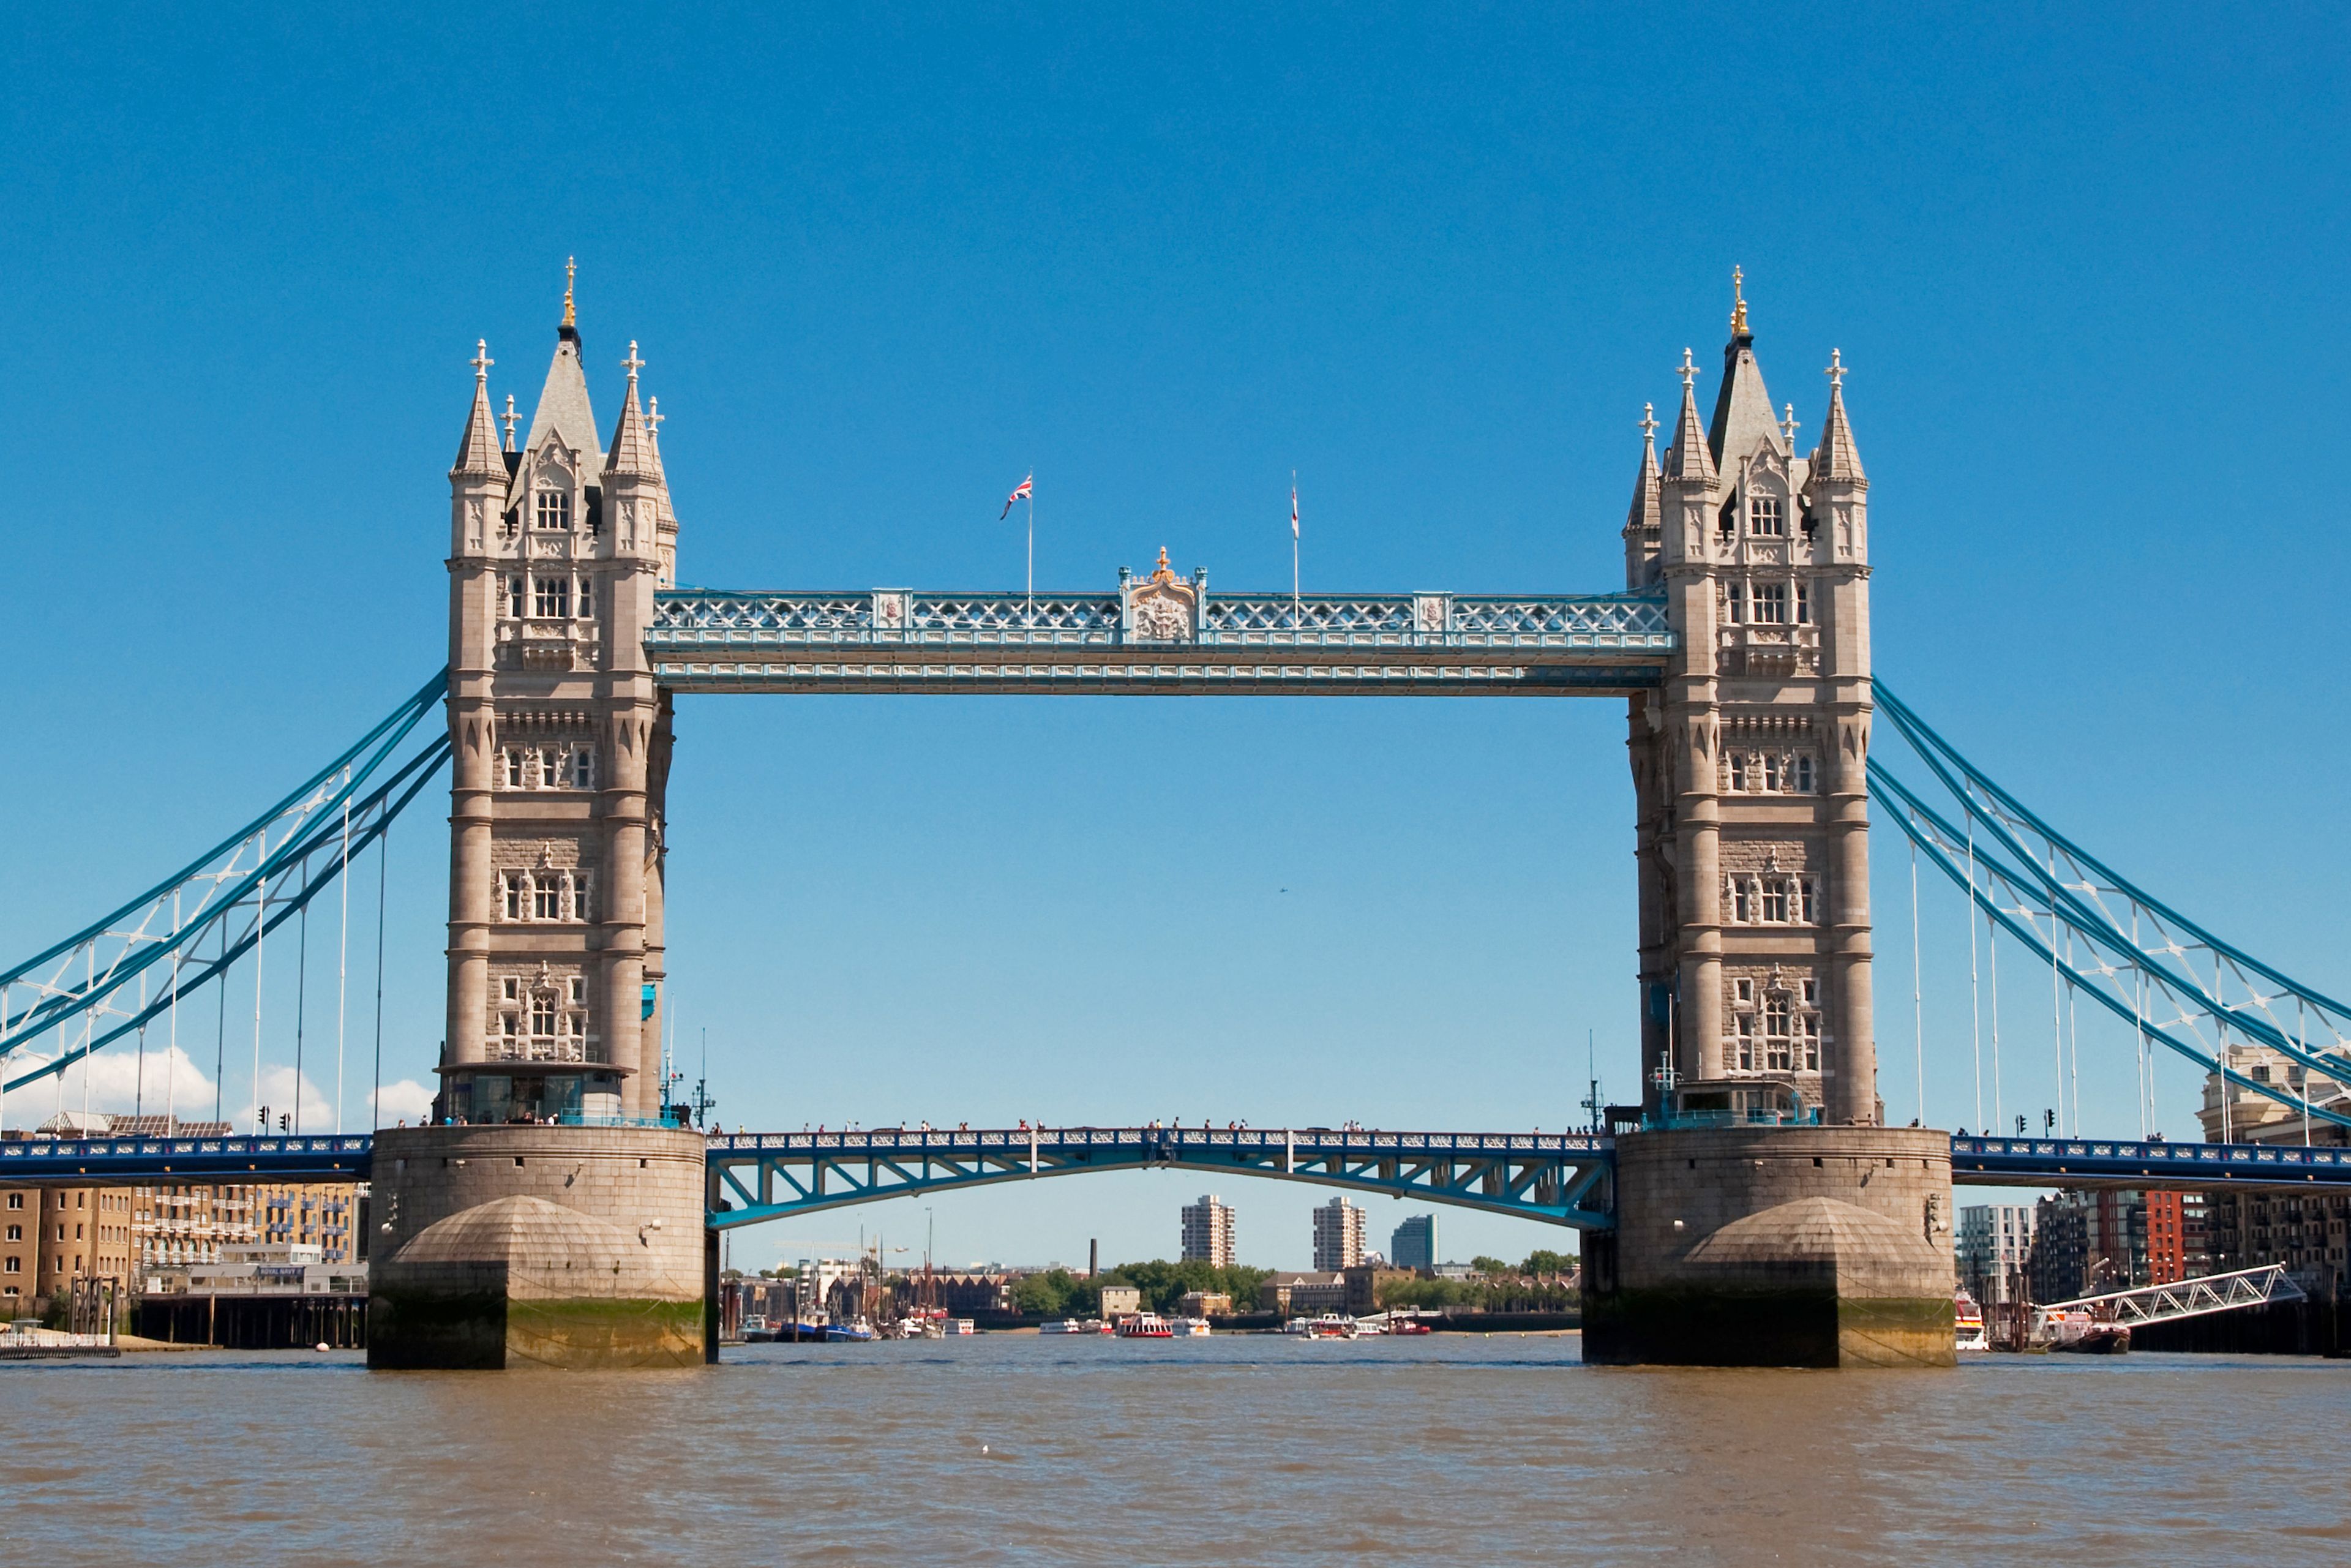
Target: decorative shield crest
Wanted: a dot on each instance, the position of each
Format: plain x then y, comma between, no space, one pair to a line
1165,609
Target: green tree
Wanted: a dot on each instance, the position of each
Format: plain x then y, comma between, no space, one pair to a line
1490,1266
1544,1261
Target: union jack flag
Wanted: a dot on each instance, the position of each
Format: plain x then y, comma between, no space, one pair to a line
1020,492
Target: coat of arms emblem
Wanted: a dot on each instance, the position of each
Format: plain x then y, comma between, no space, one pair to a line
1163,608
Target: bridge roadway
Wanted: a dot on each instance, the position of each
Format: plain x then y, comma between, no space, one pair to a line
1561,1178
903,640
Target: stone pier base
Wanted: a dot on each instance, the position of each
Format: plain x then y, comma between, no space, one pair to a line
1775,1247
555,1247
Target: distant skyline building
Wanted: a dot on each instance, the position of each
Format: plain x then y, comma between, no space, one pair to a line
1208,1232
1995,1242
1338,1235
1413,1243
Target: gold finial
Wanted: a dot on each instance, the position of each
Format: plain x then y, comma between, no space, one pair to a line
1163,572
1738,302
570,266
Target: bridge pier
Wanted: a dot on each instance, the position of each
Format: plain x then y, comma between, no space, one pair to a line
1775,1247
538,1246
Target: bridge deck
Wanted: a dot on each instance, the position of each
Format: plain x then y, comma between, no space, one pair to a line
901,640
2093,1162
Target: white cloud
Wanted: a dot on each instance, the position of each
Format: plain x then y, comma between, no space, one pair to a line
407,1099
171,1079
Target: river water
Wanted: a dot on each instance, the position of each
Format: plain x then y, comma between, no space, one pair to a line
1231,1450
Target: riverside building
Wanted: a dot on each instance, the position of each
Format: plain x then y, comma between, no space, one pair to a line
1413,1243
1208,1232
1338,1236
2304,1232
1995,1243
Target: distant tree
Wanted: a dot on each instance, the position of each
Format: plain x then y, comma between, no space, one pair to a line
1057,1293
1543,1261
1490,1266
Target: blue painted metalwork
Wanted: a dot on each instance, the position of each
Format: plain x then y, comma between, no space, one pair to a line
2098,1162
148,1160
187,930
2041,888
896,640
1561,1178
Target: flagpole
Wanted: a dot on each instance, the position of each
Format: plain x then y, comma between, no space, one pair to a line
1032,547
1294,611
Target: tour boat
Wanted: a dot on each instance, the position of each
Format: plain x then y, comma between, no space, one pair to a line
960,1326
1329,1326
1067,1326
1968,1320
1189,1328
1406,1325
1145,1325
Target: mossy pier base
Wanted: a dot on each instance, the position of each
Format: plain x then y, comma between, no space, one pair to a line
553,1246
1775,1247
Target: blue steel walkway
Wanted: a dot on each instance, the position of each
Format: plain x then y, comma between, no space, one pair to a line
1561,1178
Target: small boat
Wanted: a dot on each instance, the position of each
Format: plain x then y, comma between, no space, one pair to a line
1329,1326
1968,1320
757,1330
958,1326
856,1331
1406,1325
1067,1326
2077,1332
1145,1325
1189,1328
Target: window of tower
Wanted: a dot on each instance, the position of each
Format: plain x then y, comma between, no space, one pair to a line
1779,1039
1775,900
514,605
1735,603
1804,604
515,882
1766,517
542,1014
1746,1042
1770,600
1807,900
547,899
1803,775
551,598
554,508
514,769
583,767
579,901
512,989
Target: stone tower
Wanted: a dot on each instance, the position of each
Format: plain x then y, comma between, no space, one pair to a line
1749,763
561,756
1764,1217
503,1240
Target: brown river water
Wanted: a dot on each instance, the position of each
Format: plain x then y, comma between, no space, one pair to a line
1232,1451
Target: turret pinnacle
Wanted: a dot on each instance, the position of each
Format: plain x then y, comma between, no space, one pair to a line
563,405
1836,457
633,451
1688,457
477,453
1647,512
1743,424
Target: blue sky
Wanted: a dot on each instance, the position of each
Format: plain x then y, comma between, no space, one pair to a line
2089,282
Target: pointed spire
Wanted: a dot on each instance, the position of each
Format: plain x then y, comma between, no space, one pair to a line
633,452
477,453
1743,424
1836,457
1688,457
1647,511
563,406
510,419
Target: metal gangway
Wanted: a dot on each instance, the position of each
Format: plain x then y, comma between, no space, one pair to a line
2185,1298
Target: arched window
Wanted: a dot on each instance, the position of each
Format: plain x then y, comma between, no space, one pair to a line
554,508
1766,517
1803,775
542,1015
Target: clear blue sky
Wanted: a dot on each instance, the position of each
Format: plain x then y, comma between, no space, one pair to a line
2091,284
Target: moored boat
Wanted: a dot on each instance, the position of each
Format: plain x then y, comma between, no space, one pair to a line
1145,1325
1967,1323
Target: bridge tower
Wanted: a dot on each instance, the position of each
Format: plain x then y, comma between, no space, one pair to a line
1749,763
1765,1214
546,1148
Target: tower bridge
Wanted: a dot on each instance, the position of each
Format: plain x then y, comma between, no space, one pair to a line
1755,1207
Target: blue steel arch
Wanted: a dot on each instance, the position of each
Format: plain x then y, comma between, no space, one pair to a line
1561,1179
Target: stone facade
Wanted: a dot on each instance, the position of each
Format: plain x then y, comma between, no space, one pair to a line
561,757
1775,1247
565,1247
1749,762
